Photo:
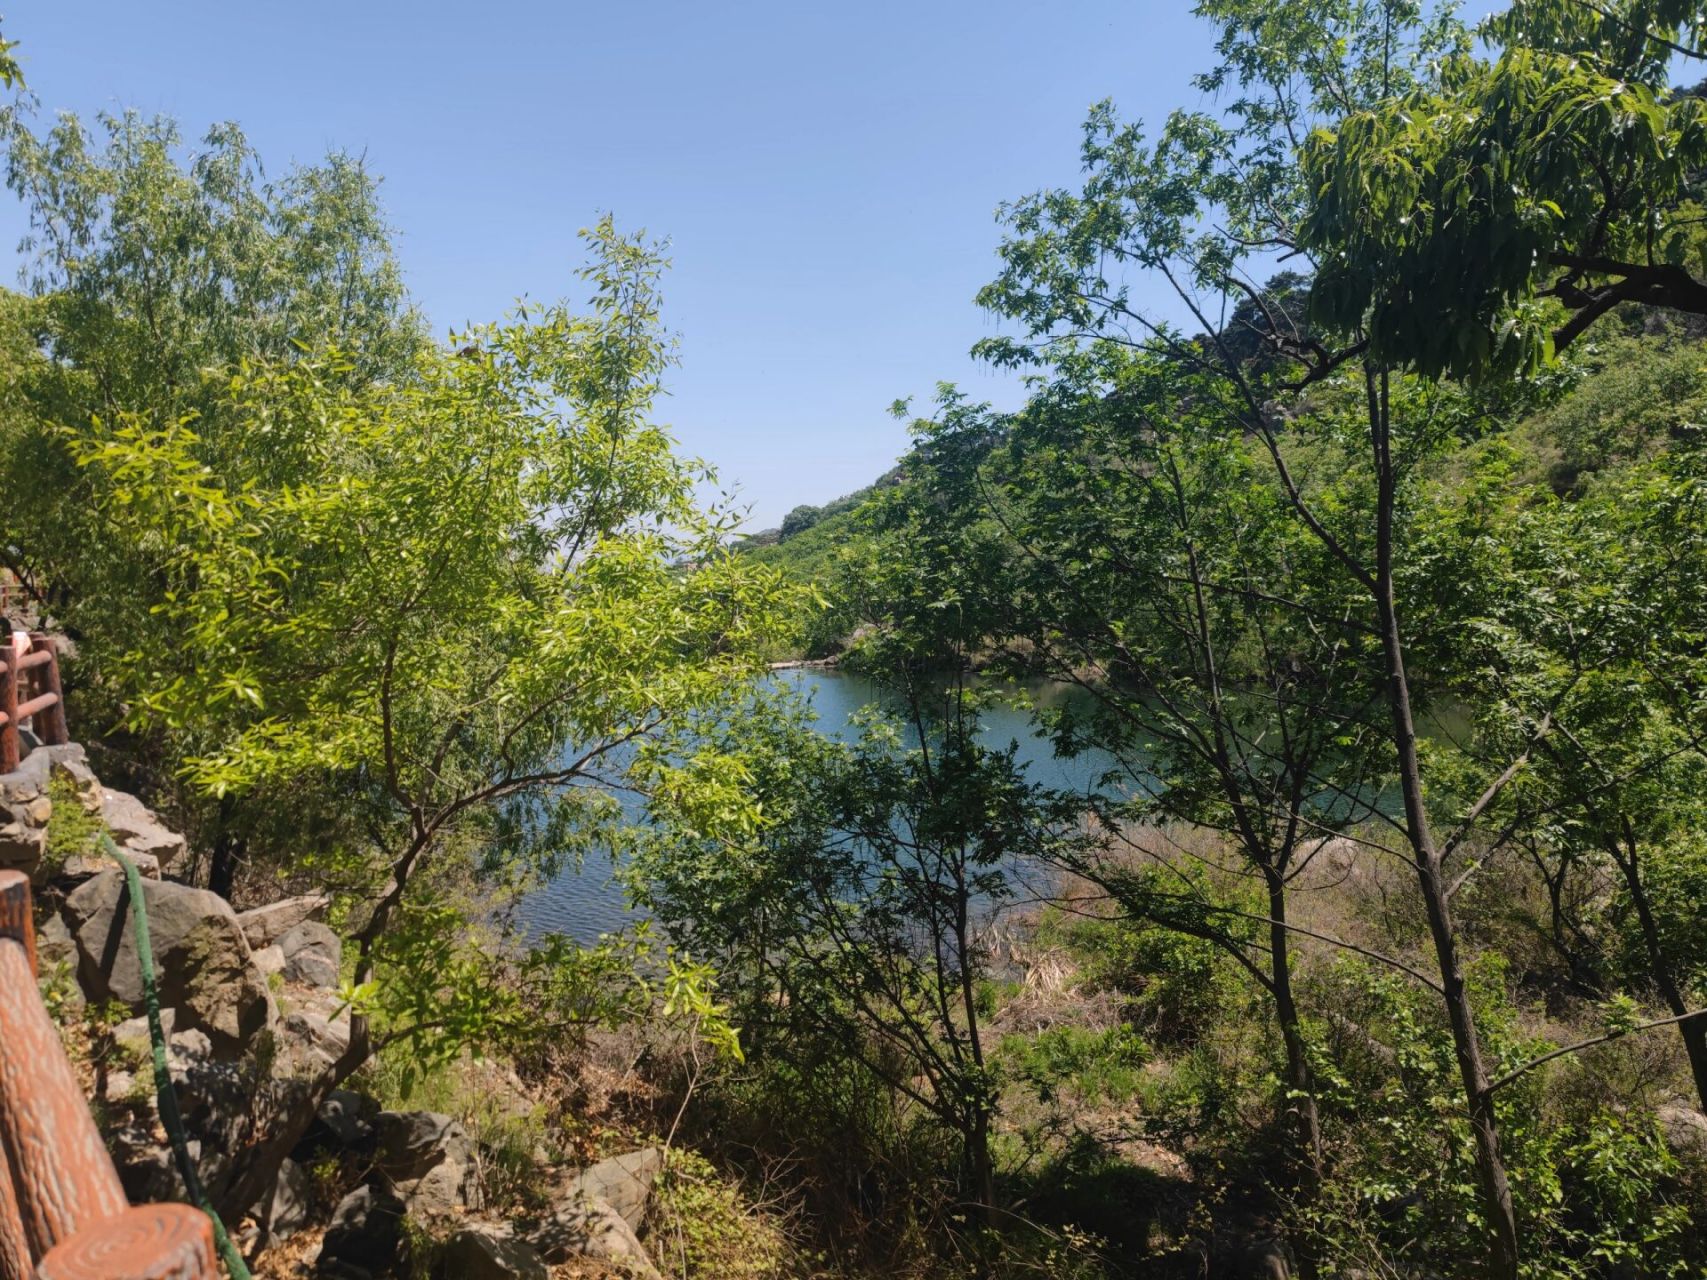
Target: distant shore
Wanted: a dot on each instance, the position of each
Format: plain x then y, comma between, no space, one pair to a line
794,663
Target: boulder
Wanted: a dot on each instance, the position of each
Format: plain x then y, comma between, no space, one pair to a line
309,1042
269,960
266,925
491,1253
286,1211
217,1101
345,1116
427,1156
55,945
145,1165
590,1228
366,1236
1684,1130
136,829
80,867
623,1182
133,1038
189,1046
201,960
312,954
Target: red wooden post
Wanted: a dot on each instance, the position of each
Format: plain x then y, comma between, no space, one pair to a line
16,920
61,1171
149,1242
53,729
14,1244
16,924
8,705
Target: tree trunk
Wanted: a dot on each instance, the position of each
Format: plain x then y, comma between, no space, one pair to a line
227,851
1300,1080
1693,1030
1491,1174
981,1167
257,1167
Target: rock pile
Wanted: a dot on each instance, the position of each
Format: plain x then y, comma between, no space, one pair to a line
26,810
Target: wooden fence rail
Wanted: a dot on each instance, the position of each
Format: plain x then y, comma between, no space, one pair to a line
29,686
63,1214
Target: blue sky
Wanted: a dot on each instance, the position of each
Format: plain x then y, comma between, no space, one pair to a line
827,174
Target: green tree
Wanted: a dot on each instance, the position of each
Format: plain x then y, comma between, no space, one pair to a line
1137,553
148,270
1345,442
460,607
1479,221
856,914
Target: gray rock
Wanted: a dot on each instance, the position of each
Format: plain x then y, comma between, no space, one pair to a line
312,954
292,1201
1684,1130
312,1042
26,806
344,1113
201,959
366,1235
119,1086
427,1156
137,830
55,945
269,960
132,1036
190,1046
266,925
623,1182
1267,1260
145,1165
412,1142
488,1253
217,1101
590,1228
80,867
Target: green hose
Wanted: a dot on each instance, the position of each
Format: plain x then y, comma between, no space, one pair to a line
167,1097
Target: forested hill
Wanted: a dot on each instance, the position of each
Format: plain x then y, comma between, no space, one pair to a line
802,545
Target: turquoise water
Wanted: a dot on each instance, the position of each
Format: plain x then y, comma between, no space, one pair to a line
584,903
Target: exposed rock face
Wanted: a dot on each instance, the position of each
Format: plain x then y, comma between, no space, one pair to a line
201,959
366,1237
591,1228
491,1253
623,1182
311,954
428,1158
266,925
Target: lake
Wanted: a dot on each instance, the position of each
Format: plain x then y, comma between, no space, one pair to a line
583,903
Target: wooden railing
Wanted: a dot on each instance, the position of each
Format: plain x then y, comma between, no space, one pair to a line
63,1214
29,686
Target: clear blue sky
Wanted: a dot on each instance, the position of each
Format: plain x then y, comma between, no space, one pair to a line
827,173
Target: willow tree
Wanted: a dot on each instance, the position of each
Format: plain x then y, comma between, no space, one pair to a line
150,263
458,601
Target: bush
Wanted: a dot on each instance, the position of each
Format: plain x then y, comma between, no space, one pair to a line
1098,1066
704,1226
